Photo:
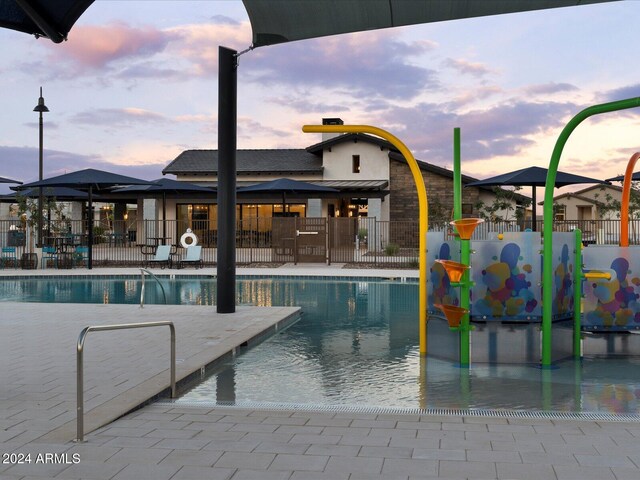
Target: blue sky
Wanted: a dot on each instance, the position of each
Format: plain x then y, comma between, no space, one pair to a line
136,84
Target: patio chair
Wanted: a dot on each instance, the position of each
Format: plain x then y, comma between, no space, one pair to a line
9,257
80,256
193,257
162,257
49,253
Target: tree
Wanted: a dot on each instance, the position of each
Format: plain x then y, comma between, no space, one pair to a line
52,215
504,207
609,207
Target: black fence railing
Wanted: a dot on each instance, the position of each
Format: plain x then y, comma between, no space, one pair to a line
260,240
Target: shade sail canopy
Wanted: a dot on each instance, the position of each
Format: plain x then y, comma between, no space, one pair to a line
286,185
620,178
43,18
165,185
279,21
8,180
88,178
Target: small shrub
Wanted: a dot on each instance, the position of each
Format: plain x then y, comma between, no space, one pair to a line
391,249
362,234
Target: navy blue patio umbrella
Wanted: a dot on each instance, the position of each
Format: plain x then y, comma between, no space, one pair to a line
166,186
620,178
8,180
284,186
532,177
91,180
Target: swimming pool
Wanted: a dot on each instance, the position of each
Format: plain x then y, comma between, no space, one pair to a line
357,344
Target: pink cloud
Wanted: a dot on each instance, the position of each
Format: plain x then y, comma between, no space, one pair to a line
97,46
198,44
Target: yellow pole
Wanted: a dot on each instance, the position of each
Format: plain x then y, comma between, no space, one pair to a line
422,207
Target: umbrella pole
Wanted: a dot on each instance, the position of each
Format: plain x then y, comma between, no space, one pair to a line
164,215
534,221
90,239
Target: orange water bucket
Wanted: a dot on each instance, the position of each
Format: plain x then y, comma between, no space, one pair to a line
466,226
455,270
452,313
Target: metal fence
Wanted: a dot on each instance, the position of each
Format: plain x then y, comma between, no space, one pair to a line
267,240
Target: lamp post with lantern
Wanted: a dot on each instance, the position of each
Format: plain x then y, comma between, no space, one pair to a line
40,108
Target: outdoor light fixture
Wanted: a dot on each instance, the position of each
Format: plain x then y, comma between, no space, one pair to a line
40,108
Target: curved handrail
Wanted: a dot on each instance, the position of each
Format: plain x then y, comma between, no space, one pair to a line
80,364
142,274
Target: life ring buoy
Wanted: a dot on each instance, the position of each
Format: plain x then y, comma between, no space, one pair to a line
188,235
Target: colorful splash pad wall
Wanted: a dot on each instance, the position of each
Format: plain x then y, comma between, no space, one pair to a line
613,304
506,289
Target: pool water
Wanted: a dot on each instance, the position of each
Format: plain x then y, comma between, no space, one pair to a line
357,344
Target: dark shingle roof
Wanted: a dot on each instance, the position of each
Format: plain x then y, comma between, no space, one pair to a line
280,161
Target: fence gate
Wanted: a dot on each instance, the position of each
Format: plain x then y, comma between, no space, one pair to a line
311,240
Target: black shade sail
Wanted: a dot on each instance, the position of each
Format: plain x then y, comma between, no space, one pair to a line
52,19
532,177
279,21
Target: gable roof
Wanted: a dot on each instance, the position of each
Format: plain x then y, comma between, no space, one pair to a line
579,193
281,162
350,137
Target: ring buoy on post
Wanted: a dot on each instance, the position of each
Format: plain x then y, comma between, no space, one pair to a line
188,239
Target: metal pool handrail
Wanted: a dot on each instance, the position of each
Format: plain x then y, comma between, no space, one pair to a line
80,363
142,272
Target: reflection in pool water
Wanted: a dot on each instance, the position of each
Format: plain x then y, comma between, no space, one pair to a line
357,344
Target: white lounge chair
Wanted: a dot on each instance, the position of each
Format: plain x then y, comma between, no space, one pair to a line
192,257
162,257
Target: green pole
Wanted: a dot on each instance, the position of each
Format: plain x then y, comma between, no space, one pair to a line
547,251
465,251
457,176
465,341
577,295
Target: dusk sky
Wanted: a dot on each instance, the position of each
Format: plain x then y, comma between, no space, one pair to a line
136,84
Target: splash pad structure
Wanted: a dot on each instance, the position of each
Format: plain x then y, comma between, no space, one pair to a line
505,314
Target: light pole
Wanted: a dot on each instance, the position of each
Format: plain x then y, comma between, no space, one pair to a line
40,108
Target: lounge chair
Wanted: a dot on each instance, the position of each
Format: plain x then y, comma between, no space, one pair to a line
9,257
162,257
49,253
192,257
81,256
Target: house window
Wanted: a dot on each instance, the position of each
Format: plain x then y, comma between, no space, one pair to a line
467,208
560,212
355,162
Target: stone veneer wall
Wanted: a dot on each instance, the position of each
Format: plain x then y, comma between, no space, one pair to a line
404,198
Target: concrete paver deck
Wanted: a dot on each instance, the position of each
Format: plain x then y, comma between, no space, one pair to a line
177,442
